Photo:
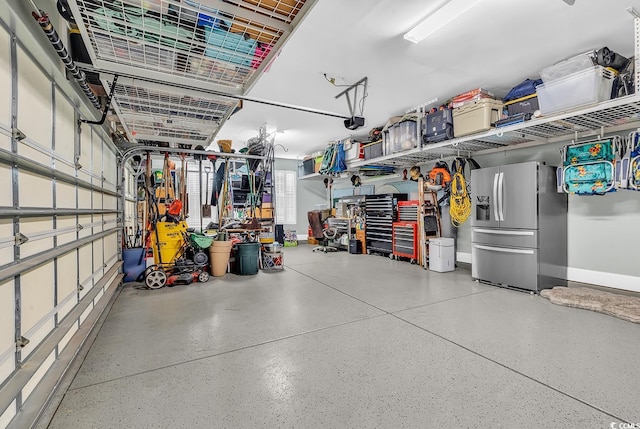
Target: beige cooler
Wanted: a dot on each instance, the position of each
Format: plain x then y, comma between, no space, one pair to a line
476,116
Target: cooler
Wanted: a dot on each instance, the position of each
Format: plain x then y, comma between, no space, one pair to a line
476,116
442,254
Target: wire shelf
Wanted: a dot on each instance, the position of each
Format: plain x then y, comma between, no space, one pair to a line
224,45
158,115
608,116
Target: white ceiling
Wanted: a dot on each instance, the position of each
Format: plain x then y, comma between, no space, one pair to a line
496,45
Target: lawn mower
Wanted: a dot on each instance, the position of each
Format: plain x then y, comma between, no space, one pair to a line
189,265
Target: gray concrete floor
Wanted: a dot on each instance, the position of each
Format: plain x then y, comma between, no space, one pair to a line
349,341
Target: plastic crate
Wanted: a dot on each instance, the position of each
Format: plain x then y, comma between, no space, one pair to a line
566,68
576,90
373,150
528,104
401,136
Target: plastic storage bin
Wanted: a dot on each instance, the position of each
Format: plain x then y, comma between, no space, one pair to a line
308,166
528,104
373,150
352,150
476,116
576,90
567,67
401,136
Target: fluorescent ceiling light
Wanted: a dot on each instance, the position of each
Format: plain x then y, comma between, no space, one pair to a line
438,19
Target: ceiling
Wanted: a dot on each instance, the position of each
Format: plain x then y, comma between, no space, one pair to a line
495,45
319,48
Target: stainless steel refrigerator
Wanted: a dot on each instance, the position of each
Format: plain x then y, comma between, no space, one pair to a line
518,227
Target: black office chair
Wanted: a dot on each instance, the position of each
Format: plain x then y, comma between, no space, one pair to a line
320,233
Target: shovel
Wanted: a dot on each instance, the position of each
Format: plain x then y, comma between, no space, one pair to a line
206,208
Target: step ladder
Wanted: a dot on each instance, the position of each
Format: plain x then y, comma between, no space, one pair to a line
429,224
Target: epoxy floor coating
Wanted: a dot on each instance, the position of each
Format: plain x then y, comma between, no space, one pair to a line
352,341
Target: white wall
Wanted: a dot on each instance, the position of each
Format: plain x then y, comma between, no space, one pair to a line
310,192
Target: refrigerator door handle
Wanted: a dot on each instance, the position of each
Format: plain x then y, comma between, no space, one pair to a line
495,197
503,232
504,250
501,196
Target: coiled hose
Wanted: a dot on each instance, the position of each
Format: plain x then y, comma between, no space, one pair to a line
460,201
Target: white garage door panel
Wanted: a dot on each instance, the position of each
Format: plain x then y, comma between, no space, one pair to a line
32,228
85,221
32,384
85,152
34,154
97,198
8,415
34,190
65,222
98,262
5,80
86,136
6,198
111,250
110,202
67,283
64,341
96,156
5,142
85,265
110,166
7,330
65,196
65,130
84,198
111,219
34,101
86,313
36,303
6,234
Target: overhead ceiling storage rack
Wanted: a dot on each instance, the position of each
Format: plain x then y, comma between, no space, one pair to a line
182,64
607,117
612,116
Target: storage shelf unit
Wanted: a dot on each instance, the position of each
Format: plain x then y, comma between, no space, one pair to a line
609,116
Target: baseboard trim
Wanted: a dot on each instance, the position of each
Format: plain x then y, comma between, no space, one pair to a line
600,278
463,257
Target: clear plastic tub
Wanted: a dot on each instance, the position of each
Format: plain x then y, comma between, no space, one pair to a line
401,136
576,90
567,67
